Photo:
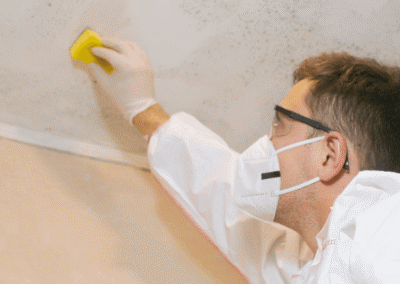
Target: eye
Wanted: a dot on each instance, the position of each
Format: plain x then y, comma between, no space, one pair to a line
281,124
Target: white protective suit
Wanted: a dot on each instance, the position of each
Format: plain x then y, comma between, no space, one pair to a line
360,242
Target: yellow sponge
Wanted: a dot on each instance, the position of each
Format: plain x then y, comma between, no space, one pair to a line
80,50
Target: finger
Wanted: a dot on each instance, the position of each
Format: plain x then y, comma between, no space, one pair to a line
97,71
117,45
137,48
108,54
134,45
112,43
138,51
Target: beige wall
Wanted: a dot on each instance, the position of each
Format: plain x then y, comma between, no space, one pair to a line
68,219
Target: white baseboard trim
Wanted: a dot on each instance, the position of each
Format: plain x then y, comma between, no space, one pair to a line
74,147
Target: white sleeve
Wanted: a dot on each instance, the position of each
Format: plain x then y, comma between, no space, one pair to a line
196,168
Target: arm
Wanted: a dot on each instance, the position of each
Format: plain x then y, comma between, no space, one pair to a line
196,168
149,120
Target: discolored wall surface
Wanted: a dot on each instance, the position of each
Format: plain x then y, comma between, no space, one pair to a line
225,62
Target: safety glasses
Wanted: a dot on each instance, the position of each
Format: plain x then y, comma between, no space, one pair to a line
283,122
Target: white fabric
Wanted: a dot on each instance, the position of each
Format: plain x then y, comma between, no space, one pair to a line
252,194
257,179
360,242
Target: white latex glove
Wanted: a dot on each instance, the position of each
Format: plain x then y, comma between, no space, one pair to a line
131,84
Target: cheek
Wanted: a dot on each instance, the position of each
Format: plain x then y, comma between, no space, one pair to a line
294,165
315,156
288,167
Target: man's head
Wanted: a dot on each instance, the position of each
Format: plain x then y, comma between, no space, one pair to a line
360,100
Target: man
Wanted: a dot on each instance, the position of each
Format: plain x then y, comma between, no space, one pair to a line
328,170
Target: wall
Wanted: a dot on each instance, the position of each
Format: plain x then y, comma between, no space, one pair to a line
74,220
225,62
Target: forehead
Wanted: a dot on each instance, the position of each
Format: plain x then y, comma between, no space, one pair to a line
295,100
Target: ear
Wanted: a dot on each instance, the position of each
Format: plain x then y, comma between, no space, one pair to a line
333,156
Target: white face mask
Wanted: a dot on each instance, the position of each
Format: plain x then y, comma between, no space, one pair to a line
258,179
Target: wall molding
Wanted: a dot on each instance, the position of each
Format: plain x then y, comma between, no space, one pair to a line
72,146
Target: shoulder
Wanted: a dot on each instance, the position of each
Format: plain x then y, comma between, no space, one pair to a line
375,253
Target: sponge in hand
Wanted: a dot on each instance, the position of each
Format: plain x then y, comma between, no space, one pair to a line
80,50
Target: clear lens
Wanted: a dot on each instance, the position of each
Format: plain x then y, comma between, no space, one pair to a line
281,125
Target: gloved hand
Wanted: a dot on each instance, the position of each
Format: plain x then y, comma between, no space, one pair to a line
131,84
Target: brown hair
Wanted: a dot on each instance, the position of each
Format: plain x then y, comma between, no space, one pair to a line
359,98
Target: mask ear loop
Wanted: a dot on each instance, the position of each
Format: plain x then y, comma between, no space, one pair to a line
312,140
304,184
290,189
